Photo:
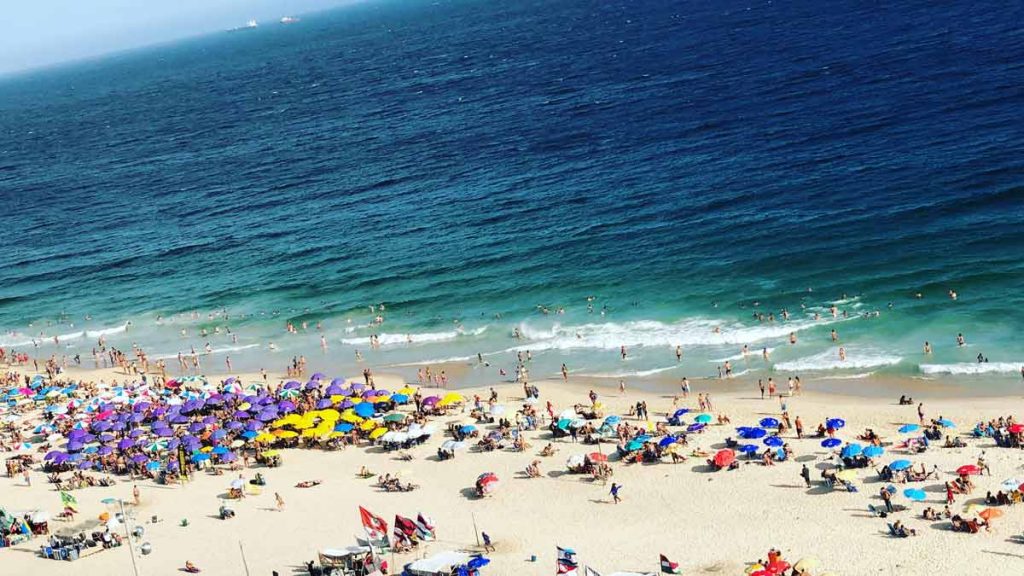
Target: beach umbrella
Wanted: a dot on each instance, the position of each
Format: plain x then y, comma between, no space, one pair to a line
125,444
487,482
249,434
851,450
363,410
344,427
1016,428
900,465
400,399
909,428
613,420
968,470
873,451
777,567
140,458
752,433
200,457
431,400
394,418
835,423
468,429
831,442
946,423
773,441
666,441
915,494
377,433
285,433
990,513
452,445
477,562
597,457
724,458
234,425
1011,484
220,450
769,423
156,445
695,427
702,418
219,434
85,465
173,444
747,448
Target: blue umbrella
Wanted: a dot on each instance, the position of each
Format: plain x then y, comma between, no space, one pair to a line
831,442
634,445
753,433
363,410
900,465
769,423
873,451
946,423
344,427
747,448
915,494
908,428
612,420
695,427
851,450
220,450
773,441
477,562
248,434
835,423
400,398
667,441
200,457
680,412
468,428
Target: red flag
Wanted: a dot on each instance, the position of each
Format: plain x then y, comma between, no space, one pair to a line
376,527
668,566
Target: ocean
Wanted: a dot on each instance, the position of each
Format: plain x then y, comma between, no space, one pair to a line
686,169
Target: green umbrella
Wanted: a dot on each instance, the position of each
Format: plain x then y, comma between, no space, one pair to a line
394,418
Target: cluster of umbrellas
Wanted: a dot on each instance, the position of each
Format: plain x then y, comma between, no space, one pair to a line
211,422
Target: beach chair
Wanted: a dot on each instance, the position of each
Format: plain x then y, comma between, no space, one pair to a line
253,490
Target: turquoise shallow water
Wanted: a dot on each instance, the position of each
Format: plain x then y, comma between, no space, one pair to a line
687,165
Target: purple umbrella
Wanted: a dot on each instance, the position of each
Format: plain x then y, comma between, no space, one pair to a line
228,457
125,444
141,406
136,433
101,426
346,404
196,427
338,382
431,400
241,414
318,376
84,465
120,425
172,465
88,438
234,425
323,403
159,411
135,418
139,458
291,384
230,380
358,386
74,446
104,450
53,454
286,406
178,419
253,425
173,443
76,433
165,432
695,427
215,400
210,420
61,458
334,390
267,416
106,437
219,434
312,385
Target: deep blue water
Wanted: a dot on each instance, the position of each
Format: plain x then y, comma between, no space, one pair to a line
686,163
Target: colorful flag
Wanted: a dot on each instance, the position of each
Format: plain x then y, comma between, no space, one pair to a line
68,501
668,566
588,571
424,527
375,526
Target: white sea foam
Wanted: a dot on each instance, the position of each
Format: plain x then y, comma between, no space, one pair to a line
686,333
973,368
629,373
414,337
751,355
829,360
437,361
222,350
849,376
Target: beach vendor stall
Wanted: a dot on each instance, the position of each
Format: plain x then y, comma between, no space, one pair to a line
348,561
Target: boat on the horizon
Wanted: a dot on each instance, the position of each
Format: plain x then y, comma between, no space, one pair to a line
289,20
248,26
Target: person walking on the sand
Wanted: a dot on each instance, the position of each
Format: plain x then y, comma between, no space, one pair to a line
280,502
615,492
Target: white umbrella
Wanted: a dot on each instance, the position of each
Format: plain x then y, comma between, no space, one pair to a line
237,484
1011,484
453,445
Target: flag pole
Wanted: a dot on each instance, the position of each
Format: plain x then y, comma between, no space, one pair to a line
128,538
245,563
476,532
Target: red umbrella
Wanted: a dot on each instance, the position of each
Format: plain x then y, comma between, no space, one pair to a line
777,567
597,457
968,470
724,457
1016,428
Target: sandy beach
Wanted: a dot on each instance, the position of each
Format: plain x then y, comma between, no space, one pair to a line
708,522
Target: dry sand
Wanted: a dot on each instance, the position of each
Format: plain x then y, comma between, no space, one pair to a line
709,522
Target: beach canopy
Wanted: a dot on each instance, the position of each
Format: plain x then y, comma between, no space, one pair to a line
900,465
915,494
724,458
851,450
873,451
968,470
909,428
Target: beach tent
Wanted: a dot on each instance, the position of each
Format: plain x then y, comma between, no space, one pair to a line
440,564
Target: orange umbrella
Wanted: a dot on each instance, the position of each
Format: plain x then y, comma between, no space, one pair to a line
724,457
968,469
597,457
990,513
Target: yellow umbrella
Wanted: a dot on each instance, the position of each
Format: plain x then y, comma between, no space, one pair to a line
408,391
453,398
285,434
244,406
308,433
303,425
337,399
378,433
849,475
265,437
356,399
330,414
808,563
271,453
206,449
337,434
368,425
